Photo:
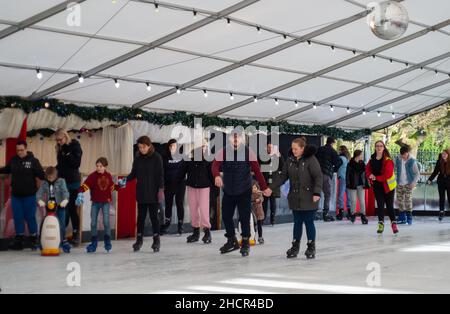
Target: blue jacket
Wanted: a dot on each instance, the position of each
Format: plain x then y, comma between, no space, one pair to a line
61,191
412,170
342,172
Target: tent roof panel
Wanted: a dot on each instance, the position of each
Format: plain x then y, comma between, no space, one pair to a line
316,89
24,82
165,66
369,95
106,18
194,101
297,16
250,79
19,10
305,58
103,91
44,49
266,109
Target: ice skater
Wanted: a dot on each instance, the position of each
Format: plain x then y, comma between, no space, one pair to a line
380,172
149,172
258,210
303,171
442,172
237,162
54,191
357,184
101,185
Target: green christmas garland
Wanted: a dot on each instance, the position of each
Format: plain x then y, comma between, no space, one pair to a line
100,113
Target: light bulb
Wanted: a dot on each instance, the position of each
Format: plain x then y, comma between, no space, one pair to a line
39,74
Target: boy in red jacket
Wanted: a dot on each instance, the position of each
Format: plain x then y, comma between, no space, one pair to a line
101,185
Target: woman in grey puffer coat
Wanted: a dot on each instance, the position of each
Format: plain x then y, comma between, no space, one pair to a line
303,171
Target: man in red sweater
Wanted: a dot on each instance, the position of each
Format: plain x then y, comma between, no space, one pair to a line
101,185
237,162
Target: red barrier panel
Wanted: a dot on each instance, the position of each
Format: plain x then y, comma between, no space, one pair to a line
126,211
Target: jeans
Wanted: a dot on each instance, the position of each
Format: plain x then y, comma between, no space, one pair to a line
307,218
327,182
353,196
341,195
95,210
243,203
24,209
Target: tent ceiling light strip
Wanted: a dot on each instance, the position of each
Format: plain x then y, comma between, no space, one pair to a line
364,86
334,67
143,49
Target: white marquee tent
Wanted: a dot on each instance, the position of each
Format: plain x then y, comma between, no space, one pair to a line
305,61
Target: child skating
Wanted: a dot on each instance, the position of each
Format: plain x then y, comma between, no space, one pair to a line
53,194
101,185
258,210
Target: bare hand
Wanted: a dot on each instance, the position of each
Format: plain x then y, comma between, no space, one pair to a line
372,177
267,192
161,195
219,182
429,182
316,198
412,186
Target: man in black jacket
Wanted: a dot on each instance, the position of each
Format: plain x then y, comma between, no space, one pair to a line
24,168
329,162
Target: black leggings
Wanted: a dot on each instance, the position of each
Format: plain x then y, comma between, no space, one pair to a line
443,187
178,192
260,228
143,209
384,200
273,206
72,211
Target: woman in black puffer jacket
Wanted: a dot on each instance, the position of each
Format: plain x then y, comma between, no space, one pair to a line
69,154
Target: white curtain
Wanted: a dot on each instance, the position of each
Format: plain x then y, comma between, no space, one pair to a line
46,119
116,144
162,134
11,121
117,147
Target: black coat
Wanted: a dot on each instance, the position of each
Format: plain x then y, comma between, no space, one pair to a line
149,172
69,162
174,171
356,175
305,178
24,172
199,174
329,160
442,177
273,175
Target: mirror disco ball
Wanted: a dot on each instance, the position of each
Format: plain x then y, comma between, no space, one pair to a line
389,19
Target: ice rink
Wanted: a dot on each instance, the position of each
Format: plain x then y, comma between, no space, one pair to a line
350,259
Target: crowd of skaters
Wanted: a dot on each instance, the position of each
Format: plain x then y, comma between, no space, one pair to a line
236,170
